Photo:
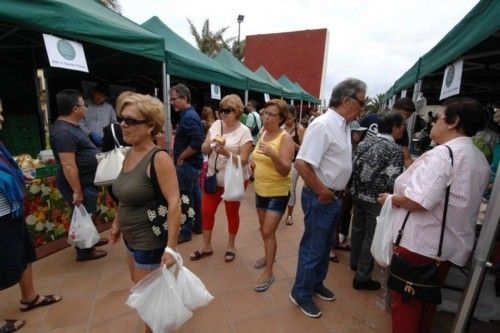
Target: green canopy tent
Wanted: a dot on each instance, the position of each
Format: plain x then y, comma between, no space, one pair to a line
286,93
254,82
285,82
115,48
184,60
475,39
310,98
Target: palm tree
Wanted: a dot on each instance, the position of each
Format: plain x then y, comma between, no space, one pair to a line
114,5
210,42
378,101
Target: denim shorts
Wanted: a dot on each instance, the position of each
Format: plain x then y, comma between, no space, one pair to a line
146,259
274,204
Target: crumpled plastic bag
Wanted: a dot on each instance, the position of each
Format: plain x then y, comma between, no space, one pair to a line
157,301
382,243
82,231
192,291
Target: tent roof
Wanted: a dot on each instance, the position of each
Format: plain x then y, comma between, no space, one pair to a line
311,98
287,93
84,20
255,82
476,39
184,60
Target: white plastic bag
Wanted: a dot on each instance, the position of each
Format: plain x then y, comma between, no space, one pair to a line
191,289
234,189
82,232
110,163
382,239
157,301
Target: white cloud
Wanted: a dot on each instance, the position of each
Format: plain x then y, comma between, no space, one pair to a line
376,41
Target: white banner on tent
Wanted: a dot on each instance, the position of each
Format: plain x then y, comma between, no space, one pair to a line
291,102
215,91
64,53
452,79
403,94
266,98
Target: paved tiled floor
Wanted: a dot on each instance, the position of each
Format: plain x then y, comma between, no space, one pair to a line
95,292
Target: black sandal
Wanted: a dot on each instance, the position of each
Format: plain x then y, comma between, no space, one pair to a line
229,256
11,325
47,300
197,255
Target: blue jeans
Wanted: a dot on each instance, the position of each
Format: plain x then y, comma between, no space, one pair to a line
314,250
188,175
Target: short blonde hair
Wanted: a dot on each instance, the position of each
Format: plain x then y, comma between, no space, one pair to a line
151,108
121,98
234,102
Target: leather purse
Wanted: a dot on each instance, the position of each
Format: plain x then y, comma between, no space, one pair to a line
419,281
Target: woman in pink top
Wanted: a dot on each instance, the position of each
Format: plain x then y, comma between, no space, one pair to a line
421,191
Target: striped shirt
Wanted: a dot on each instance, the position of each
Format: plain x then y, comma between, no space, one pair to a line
425,182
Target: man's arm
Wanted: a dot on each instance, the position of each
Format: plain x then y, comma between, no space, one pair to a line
312,181
70,170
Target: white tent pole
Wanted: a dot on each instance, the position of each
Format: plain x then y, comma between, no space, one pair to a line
246,97
168,118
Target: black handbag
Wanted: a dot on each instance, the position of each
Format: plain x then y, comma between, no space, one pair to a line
419,281
210,185
157,210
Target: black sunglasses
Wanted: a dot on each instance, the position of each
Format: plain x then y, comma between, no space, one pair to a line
226,111
361,103
132,121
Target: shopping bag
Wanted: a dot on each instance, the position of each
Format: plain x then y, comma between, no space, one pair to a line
234,190
382,244
157,301
192,291
82,232
109,166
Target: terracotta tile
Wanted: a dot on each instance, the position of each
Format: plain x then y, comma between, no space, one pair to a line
339,315
125,323
115,280
254,304
76,286
291,319
208,317
69,329
265,323
71,313
111,305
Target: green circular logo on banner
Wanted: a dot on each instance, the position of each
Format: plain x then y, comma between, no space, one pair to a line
450,76
66,50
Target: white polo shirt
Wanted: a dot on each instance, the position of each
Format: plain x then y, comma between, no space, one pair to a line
327,148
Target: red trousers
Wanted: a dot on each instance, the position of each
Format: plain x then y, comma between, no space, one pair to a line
209,204
414,315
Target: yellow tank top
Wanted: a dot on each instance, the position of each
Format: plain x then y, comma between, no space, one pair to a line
268,182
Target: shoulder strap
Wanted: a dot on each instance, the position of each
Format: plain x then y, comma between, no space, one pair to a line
117,143
445,212
255,120
154,178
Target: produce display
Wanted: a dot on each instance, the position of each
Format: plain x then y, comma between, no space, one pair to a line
26,162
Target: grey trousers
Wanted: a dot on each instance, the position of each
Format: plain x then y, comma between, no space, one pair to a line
363,227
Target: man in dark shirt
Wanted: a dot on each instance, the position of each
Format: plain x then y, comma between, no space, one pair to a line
188,158
378,161
75,153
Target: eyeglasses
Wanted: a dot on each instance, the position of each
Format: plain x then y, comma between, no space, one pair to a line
437,118
173,99
79,105
133,122
271,114
226,111
361,103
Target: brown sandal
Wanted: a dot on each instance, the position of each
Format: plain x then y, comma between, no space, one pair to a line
47,300
11,325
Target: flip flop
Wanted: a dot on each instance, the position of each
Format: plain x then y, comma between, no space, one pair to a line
263,286
198,254
94,255
334,259
260,263
343,247
47,300
11,325
229,256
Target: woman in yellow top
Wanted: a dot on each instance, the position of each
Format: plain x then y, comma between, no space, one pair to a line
272,161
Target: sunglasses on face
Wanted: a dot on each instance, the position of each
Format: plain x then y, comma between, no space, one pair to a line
226,111
133,122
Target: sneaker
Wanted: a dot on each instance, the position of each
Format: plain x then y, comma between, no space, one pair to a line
309,308
324,293
365,285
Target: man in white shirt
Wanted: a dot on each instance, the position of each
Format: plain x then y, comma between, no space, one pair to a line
324,163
